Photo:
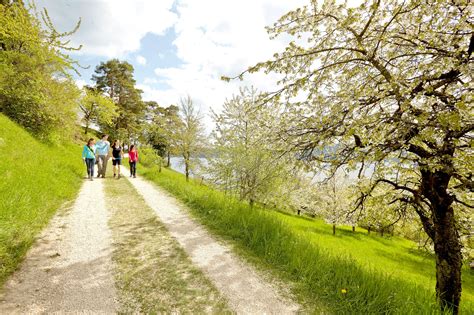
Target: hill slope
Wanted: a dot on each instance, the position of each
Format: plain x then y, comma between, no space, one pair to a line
36,179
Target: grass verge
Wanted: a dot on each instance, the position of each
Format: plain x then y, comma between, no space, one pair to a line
322,275
36,180
153,274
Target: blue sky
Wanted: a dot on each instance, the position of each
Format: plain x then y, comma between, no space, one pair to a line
155,52
177,47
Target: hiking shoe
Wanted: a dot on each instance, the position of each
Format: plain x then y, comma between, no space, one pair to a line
118,176
115,175
134,176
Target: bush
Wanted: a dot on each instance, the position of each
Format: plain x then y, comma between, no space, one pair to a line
149,157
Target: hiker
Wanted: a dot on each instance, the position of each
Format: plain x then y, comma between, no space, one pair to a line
88,155
117,155
102,149
132,160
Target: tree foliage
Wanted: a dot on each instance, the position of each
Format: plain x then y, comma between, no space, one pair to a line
163,124
387,85
336,200
244,161
35,88
96,108
190,138
114,78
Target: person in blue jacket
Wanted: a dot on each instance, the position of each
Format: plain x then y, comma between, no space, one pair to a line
88,155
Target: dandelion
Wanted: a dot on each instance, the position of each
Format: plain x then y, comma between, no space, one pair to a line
343,291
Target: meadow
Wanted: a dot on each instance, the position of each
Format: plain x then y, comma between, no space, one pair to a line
37,179
346,273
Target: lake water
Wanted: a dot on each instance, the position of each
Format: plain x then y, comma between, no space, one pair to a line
177,164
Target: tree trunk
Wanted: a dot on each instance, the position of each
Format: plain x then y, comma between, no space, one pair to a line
186,157
86,130
368,230
441,228
448,260
381,231
168,160
353,229
186,166
333,229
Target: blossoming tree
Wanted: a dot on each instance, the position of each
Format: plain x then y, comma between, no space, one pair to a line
388,84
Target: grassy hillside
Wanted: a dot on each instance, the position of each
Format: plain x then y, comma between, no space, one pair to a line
395,256
346,273
36,179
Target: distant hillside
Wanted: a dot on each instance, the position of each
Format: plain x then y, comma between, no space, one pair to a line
36,179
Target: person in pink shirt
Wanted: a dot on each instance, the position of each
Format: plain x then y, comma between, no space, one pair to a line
132,160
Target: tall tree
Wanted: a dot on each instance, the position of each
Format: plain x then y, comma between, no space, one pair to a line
190,137
244,161
162,129
115,79
335,197
171,124
388,84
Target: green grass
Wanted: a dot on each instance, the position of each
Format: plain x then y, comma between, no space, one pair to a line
36,179
395,256
381,275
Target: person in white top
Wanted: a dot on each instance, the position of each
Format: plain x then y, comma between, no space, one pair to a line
102,149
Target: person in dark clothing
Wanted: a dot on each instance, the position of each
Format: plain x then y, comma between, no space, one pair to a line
117,155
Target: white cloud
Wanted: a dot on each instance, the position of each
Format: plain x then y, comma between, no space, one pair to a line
213,38
227,36
150,81
111,28
216,38
81,83
141,60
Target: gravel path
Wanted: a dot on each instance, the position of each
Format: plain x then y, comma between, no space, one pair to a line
245,290
69,268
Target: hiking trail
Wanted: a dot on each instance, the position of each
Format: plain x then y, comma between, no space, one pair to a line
70,269
246,291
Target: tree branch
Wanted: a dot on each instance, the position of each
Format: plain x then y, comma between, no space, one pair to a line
462,202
